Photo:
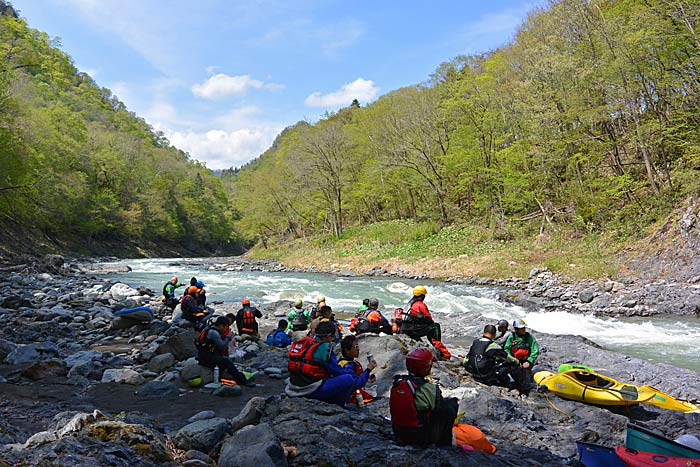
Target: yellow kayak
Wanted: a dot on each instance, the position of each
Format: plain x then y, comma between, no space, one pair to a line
581,385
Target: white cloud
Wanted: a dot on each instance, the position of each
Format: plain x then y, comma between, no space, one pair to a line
495,24
360,89
223,149
221,85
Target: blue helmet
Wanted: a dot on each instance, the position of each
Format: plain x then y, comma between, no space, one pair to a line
200,284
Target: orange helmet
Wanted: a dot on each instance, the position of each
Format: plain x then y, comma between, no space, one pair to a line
246,301
419,361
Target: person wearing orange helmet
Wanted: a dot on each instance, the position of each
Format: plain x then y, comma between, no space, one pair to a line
246,319
417,322
419,413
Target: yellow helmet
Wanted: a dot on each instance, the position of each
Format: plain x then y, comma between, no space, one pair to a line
420,290
320,299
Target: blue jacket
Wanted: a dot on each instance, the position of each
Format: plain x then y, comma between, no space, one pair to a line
278,338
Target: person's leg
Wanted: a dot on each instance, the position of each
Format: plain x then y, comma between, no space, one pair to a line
227,366
441,421
434,335
335,390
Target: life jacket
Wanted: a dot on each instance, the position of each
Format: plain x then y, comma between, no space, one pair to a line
168,292
300,322
302,363
338,326
203,343
248,321
476,361
402,405
189,306
521,347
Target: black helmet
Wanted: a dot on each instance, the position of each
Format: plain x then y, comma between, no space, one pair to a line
502,324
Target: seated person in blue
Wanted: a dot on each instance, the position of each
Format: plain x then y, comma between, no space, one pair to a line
278,337
314,370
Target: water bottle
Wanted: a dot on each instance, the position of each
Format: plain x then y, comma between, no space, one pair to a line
370,357
360,399
216,374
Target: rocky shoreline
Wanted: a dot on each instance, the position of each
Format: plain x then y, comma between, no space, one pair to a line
77,393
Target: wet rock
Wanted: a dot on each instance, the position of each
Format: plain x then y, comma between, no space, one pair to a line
201,435
159,390
160,362
249,415
253,445
32,352
123,375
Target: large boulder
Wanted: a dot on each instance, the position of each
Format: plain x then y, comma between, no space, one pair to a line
253,445
201,435
181,346
44,369
159,390
195,370
160,362
5,348
31,353
121,292
122,375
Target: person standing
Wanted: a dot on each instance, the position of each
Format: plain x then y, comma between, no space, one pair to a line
418,322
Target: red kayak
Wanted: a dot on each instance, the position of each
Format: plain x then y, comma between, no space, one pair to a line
634,458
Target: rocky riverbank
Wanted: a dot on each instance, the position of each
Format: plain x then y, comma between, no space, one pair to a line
76,392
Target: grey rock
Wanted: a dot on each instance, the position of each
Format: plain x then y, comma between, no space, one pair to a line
43,369
83,369
253,445
194,370
31,353
123,375
181,346
203,415
161,362
201,435
82,357
5,348
193,454
228,391
159,390
15,302
195,463
249,415
586,296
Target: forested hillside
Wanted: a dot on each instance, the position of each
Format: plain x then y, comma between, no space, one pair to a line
588,119
80,173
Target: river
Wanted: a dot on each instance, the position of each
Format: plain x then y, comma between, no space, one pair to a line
462,310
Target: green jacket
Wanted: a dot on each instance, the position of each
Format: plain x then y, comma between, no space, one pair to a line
527,341
292,315
427,397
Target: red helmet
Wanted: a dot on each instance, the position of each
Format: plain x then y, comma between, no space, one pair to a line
419,361
246,301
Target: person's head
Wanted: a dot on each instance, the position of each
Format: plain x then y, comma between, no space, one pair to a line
231,318
192,290
173,280
373,303
349,346
520,327
200,284
326,311
221,323
193,281
298,303
282,324
420,291
245,302
365,302
502,326
419,361
490,331
321,299
325,331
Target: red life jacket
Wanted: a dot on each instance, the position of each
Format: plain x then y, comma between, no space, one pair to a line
520,348
301,360
248,321
402,404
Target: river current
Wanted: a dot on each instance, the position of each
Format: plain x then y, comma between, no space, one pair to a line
462,310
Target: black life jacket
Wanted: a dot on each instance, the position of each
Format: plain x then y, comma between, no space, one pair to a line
302,366
301,322
203,343
167,294
402,404
477,362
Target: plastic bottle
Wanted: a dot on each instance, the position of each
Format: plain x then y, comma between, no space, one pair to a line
216,374
360,400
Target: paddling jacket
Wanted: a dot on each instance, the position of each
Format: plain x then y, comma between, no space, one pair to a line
190,309
354,368
483,356
411,403
245,320
169,290
298,320
278,338
523,348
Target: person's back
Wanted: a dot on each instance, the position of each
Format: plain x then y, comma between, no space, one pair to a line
298,318
278,337
417,322
246,319
488,362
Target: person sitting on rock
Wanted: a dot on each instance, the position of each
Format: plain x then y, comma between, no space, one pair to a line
192,312
246,321
419,414
298,318
502,327
320,301
417,322
488,363
325,314
523,346
213,347
362,308
201,295
372,320
278,337
169,292
350,350
314,370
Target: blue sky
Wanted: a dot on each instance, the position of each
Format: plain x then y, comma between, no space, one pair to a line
222,78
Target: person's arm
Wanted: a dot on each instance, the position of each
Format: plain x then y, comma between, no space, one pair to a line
496,352
509,344
257,313
282,339
534,350
215,338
